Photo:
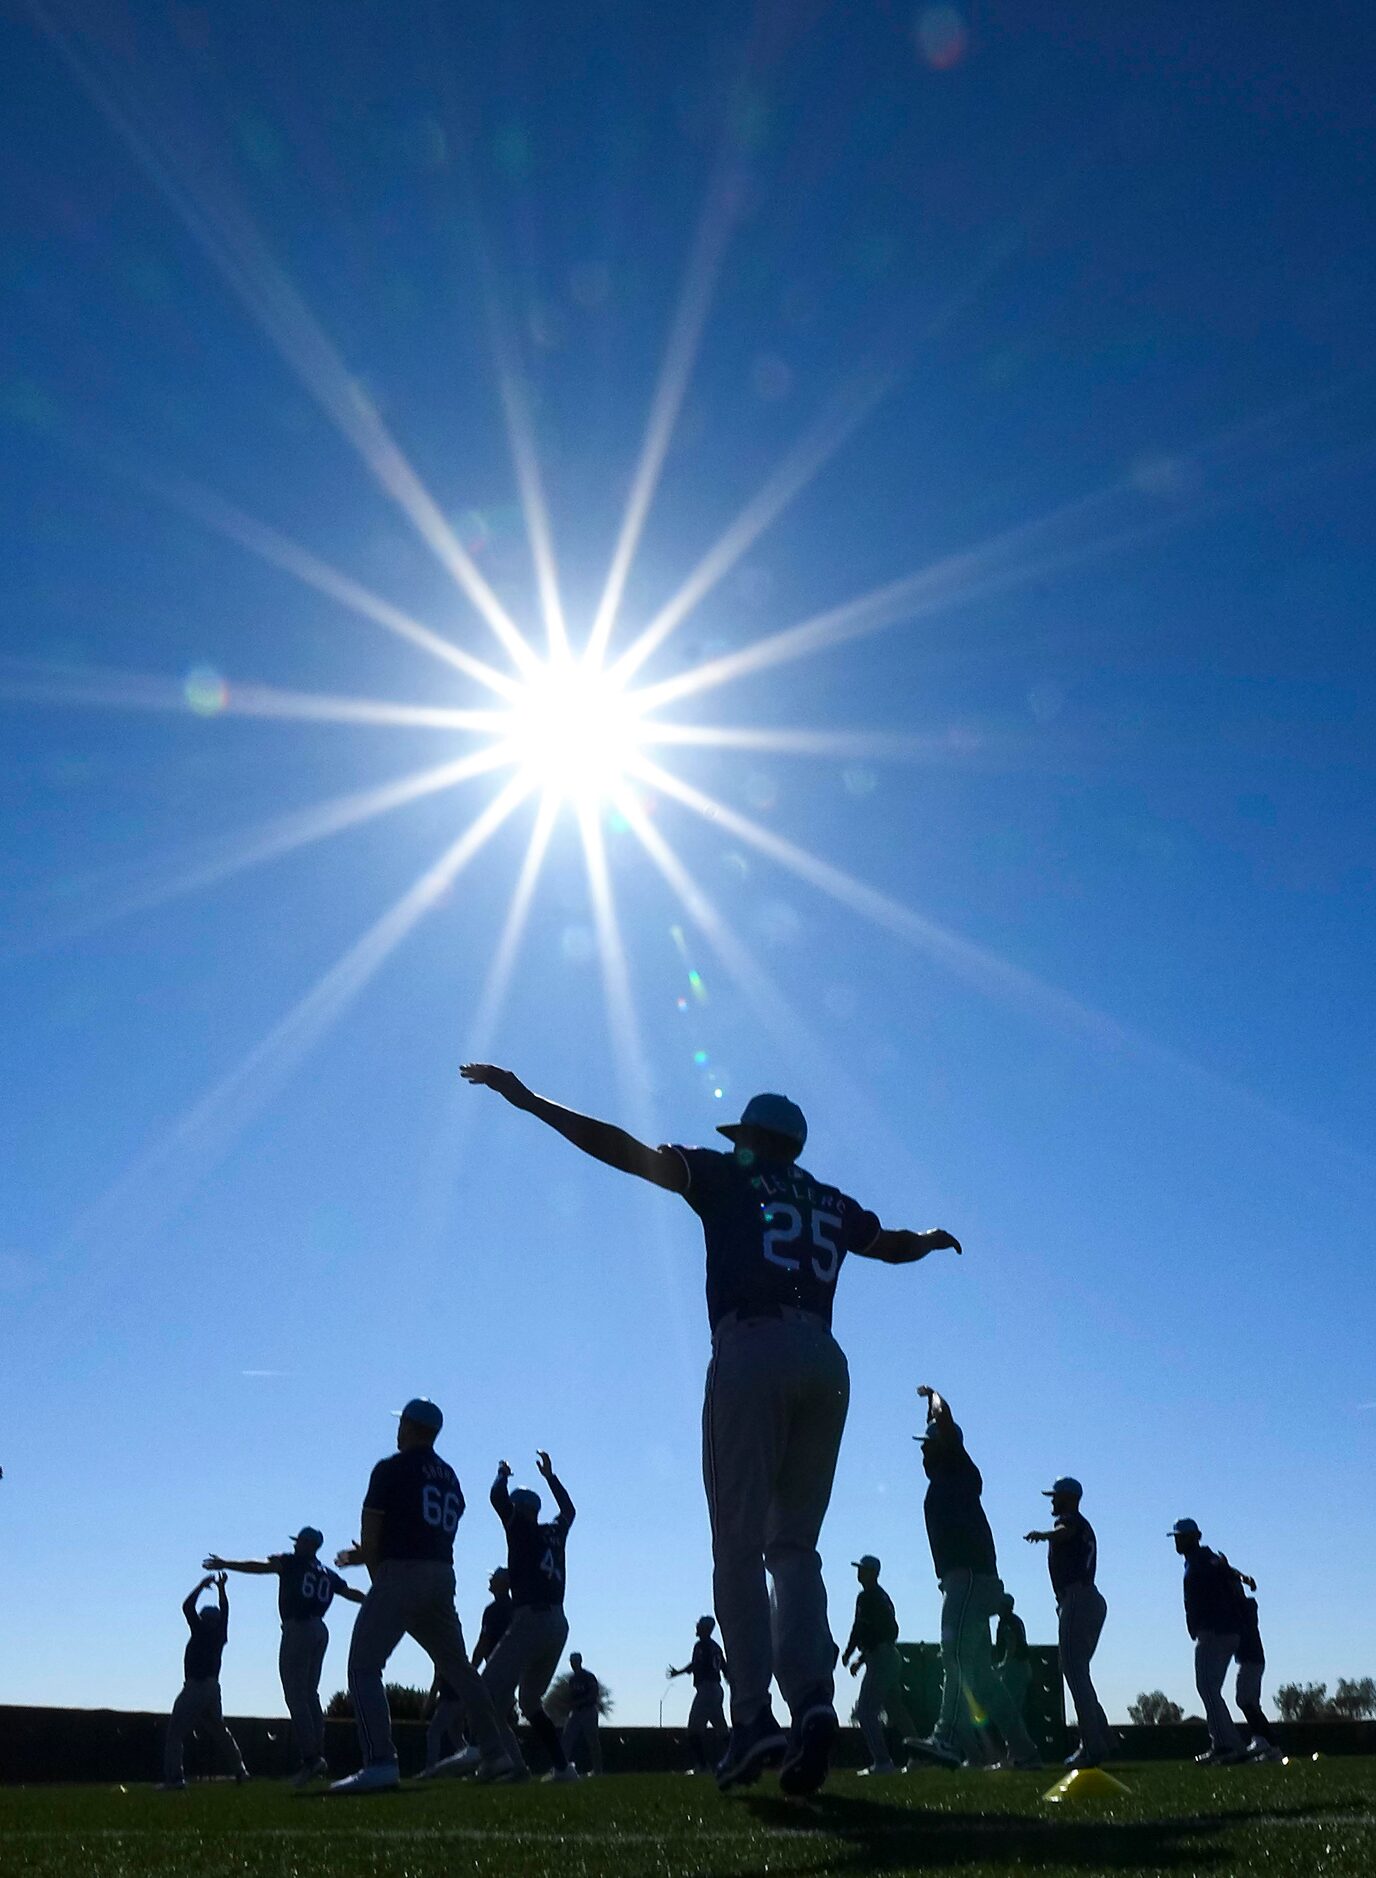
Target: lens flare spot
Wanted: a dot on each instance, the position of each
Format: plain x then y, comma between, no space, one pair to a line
206,691
942,37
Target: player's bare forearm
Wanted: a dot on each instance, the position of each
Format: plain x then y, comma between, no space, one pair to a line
896,1246
1039,1538
603,1141
217,1564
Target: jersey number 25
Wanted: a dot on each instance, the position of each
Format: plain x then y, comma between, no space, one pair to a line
784,1226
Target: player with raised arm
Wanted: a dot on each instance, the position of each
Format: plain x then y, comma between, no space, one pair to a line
776,1399
305,1590
1251,1667
411,1512
873,1642
524,1660
966,1566
706,1714
1072,1558
198,1706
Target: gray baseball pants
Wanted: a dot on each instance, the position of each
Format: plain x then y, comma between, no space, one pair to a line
1080,1618
300,1659
774,1411
1017,1680
1213,1653
972,1691
412,1597
197,1710
707,1712
522,1666
445,1733
582,1742
880,1699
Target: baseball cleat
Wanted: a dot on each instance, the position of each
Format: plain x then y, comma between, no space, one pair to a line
559,1775
753,1746
878,1771
494,1768
933,1749
313,1770
377,1777
808,1760
454,1766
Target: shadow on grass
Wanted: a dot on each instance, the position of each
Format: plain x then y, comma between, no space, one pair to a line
874,1837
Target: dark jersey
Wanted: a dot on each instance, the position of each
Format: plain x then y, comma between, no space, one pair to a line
584,1690
305,1587
1010,1640
493,1627
205,1647
774,1235
1211,1601
1249,1648
876,1621
957,1529
707,1663
1074,1559
535,1552
421,1503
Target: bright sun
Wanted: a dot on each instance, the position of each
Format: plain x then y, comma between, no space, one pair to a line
575,731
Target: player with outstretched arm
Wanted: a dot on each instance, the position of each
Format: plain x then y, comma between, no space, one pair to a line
706,1714
776,1399
305,1591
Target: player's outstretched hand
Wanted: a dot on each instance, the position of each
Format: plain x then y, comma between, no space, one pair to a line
349,1555
212,1563
926,1390
490,1076
221,1580
504,1470
543,1465
943,1241
1034,1538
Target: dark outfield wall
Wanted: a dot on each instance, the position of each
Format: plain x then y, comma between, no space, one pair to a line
56,1744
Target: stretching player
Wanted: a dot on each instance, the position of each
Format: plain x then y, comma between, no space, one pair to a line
198,1706
1012,1659
873,1642
305,1591
1213,1621
1072,1559
582,1743
971,1592
707,1716
776,1400
1251,1666
410,1513
496,1616
446,1711
525,1658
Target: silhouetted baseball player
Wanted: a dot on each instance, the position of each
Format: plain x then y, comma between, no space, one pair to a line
706,1714
411,1512
777,1393
971,1592
198,1709
873,1642
305,1591
1012,1659
1251,1667
1212,1619
582,1742
1072,1560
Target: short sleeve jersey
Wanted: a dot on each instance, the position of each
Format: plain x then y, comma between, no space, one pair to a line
421,1503
205,1647
305,1587
1073,1559
707,1664
1010,1639
535,1561
956,1525
584,1690
774,1235
876,1621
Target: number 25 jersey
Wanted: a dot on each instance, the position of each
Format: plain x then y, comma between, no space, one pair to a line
421,1503
774,1235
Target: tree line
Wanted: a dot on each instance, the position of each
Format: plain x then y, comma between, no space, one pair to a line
1354,1699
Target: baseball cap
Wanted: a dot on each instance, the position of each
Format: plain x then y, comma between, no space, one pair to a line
1184,1529
773,1112
422,1411
1066,1484
866,1559
312,1535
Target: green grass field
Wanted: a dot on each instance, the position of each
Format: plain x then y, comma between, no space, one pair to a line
1305,1818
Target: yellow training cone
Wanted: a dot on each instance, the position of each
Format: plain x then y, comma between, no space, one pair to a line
1086,1783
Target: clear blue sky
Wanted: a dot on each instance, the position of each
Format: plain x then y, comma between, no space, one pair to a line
1094,295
